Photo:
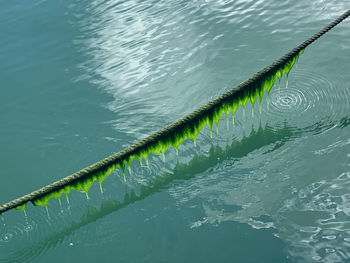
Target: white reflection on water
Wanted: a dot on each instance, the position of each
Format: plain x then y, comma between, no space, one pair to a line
148,57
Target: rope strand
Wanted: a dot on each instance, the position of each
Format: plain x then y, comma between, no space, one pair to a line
119,159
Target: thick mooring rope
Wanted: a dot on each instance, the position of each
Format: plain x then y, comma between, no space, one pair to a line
209,109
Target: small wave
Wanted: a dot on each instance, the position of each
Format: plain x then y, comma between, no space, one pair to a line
310,98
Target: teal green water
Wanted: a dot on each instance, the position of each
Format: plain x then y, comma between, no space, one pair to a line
81,80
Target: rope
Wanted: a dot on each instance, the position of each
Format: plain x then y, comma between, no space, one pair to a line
88,174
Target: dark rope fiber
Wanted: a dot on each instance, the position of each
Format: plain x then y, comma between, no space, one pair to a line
194,116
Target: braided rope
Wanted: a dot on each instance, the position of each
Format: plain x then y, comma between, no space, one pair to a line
195,116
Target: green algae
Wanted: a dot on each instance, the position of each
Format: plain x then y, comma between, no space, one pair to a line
22,207
182,171
80,186
178,136
185,171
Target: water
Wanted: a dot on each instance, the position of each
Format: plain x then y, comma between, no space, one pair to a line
81,80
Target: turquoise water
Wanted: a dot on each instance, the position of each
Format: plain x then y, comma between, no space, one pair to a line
82,80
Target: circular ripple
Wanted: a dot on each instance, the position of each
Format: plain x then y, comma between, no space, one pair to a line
9,234
310,100
143,173
290,101
102,233
24,238
15,240
146,169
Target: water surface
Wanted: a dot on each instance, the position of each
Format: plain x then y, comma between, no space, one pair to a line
81,80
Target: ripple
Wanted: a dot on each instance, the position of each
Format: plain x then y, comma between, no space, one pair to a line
310,98
10,234
25,238
102,233
290,101
158,61
6,237
145,172
14,240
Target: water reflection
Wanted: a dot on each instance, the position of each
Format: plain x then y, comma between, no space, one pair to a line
145,54
274,137
182,172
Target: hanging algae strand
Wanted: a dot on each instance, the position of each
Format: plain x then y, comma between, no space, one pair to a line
22,207
174,134
188,130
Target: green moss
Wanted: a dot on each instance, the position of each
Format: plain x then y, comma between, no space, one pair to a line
57,194
42,201
22,207
188,131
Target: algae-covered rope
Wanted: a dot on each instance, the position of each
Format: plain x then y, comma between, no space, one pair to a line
175,133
